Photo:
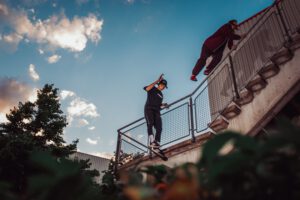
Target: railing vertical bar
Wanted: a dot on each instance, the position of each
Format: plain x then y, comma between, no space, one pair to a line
117,158
192,120
237,95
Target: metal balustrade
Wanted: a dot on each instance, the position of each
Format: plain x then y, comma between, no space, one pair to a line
190,115
291,14
256,51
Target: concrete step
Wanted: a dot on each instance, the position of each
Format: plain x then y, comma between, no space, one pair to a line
295,44
231,111
246,96
218,124
269,70
256,84
283,56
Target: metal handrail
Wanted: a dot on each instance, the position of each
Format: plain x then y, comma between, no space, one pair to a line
190,95
212,72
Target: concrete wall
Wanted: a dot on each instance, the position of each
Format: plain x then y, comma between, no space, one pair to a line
188,156
281,86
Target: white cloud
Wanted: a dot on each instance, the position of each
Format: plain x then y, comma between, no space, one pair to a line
3,118
80,107
82,122
53,59
31,10
41,52
49,142
32,73
56,31
33,95
66,93
103,154
11,41
92,142
12,38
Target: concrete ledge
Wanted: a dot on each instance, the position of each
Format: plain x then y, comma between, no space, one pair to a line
187,145
170,152
282,56
269,70
256,84
218,124
246,96
231,111
296,43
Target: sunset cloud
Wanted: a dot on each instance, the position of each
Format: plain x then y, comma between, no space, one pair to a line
57,31
11,93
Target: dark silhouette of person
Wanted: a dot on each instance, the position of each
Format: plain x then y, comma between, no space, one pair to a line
153,106
214,46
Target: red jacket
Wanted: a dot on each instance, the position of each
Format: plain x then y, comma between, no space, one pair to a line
221,37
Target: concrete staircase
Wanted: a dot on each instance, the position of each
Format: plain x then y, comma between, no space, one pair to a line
262,98
256,86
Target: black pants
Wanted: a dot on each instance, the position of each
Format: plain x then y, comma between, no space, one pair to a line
205,53
153,119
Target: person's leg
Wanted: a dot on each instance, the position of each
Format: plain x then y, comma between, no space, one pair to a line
149,116
157,126
205,53
217,56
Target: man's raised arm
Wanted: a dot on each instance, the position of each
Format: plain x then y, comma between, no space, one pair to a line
149,87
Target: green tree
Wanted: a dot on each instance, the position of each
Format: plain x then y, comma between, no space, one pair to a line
36,126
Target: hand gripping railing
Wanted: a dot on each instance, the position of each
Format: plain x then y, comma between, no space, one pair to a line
191,114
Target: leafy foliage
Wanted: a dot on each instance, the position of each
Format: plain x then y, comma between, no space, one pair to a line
34,164
33,127
232,166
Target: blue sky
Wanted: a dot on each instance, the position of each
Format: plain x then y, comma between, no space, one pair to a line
100,54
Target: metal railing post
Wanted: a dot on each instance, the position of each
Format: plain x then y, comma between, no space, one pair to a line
283,22
237,95
192,120
117,158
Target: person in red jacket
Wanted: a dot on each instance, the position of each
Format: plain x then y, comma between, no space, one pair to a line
214,46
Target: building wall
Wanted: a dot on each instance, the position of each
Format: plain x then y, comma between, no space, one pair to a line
97,163
264,101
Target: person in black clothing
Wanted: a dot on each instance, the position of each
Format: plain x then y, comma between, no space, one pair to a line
153,106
